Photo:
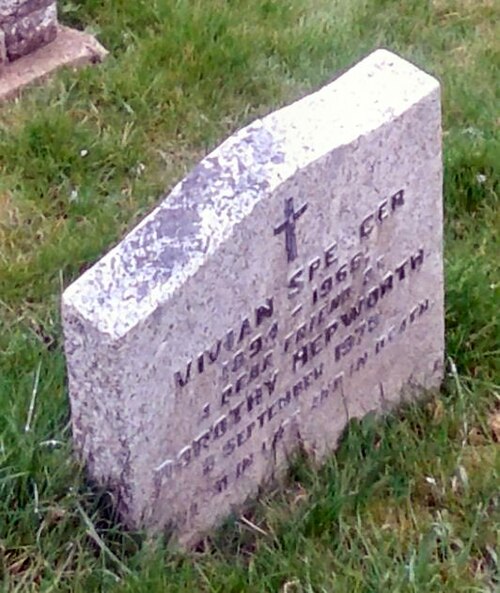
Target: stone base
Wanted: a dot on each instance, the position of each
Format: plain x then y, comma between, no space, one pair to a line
70,48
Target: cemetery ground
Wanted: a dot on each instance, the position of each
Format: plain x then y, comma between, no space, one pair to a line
410,502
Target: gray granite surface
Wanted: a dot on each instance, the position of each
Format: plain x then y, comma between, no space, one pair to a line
292,281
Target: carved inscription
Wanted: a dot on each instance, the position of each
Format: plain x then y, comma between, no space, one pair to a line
276,365
384,210
231,342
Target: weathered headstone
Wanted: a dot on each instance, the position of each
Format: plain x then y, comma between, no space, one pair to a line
27,25
291,282
33,45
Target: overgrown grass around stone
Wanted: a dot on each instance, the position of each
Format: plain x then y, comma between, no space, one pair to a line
410,503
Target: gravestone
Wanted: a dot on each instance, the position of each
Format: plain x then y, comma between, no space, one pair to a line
292,281
27,25
33,44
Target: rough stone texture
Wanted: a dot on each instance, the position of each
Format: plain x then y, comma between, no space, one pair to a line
20,8
292,281
3,52
25,34
70,49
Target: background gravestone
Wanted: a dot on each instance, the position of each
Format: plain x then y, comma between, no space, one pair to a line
27,25
33,45
292,281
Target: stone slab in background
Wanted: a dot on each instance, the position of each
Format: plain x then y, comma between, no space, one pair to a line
20,8
26,33
69,49
292,281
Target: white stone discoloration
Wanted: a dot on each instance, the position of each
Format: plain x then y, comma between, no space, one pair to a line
3,51
291,281
20,8
24,33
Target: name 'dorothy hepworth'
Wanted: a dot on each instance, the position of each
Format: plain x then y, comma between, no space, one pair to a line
246,356
308,245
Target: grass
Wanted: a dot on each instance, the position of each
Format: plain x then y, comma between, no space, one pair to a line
410,503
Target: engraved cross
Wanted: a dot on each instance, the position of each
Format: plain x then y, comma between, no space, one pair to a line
289,227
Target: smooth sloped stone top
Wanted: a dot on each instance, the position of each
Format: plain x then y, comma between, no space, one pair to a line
291,282
170,244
